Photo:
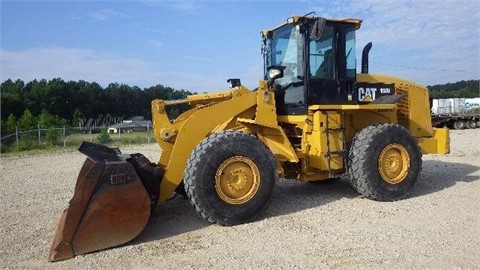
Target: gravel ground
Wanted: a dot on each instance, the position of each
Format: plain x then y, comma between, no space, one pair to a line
306,226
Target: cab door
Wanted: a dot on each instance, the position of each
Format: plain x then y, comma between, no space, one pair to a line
331,65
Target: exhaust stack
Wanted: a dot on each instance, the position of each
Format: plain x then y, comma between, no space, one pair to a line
365,52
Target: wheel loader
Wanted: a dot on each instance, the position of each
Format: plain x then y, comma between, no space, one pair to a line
312,118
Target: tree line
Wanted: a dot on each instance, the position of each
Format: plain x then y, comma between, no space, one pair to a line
57,102
461,89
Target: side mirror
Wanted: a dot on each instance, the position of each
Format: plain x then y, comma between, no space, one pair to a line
317,29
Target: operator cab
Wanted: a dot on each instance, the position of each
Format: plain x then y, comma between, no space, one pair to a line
317,57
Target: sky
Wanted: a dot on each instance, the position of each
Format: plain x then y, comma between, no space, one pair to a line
198,45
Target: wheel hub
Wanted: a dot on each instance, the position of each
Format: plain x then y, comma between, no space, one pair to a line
237,180
394,163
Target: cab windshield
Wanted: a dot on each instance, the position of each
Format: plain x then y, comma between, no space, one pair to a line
285,48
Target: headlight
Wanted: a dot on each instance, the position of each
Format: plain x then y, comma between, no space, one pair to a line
234,82
275,71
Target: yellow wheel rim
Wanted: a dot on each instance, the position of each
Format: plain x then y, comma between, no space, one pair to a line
237,180
394,163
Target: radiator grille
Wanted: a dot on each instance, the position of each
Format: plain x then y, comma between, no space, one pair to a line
403,111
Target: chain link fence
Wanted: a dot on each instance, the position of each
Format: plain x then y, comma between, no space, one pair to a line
63,137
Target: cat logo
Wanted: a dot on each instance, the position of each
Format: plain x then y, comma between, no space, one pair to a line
366,94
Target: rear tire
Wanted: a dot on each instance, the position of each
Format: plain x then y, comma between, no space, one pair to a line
459,124
472,124
230,177
384,162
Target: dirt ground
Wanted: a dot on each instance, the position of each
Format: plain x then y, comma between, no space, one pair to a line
306,226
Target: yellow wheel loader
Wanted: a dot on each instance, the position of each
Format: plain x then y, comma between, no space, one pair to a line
312,118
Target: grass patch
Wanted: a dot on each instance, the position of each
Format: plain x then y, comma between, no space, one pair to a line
71,142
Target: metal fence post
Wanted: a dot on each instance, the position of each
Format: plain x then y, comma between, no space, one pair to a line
64,138
148,132
39,140
16,134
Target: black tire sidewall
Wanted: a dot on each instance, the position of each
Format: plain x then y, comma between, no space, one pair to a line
460,124
472,124
375,139
211,153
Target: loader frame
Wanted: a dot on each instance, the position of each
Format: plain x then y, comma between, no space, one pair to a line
307,147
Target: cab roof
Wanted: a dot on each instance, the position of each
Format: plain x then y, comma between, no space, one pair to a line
296,18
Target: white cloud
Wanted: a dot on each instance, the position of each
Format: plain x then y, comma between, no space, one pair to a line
187,6
71,64
106,14
155,43
434,41
103,68
420,24
252,75
197,59
427,41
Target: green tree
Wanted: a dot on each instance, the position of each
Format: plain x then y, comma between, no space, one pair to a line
34,97
58,99
461,89
52,136
27,121
12,98
46,120
11,124
77,116
90,99
104,137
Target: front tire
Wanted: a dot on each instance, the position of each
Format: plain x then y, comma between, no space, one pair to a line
230,177
384,162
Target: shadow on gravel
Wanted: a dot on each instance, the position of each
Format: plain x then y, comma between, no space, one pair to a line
293,196
177,216
170,218
438,175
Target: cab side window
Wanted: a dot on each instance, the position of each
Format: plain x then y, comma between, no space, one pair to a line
322,56
350,53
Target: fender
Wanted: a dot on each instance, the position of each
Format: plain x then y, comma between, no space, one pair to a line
178,140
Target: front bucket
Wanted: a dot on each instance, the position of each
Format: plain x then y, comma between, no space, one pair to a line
110,205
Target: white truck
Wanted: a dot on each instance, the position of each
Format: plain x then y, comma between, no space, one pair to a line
457,113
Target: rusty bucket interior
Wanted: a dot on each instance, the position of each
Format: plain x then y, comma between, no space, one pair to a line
111,204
